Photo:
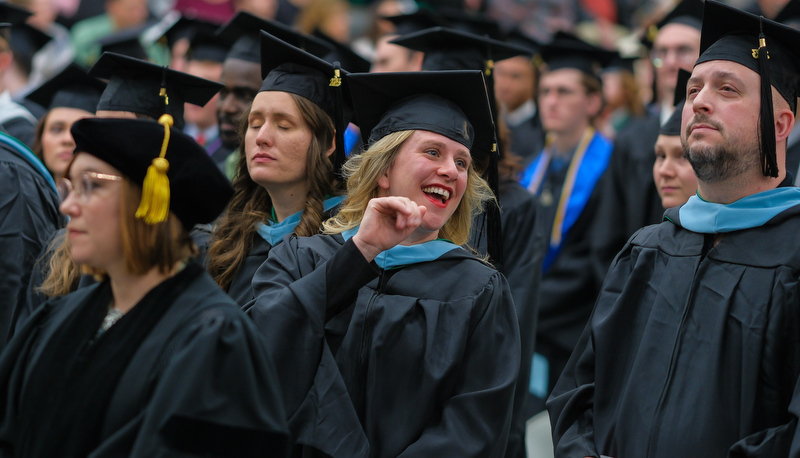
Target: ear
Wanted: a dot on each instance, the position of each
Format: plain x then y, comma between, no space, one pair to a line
6,58
784,123
383,180
595,103
332,147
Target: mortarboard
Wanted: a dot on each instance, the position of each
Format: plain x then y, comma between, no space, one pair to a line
686,12
450,103
204,46
11,15
519,38
72,88
619,63
790,14
125,42
26,41
420,19
187,28
142,87
673,125
469,21
347,58
764,46
287,68
448,49
568,51
242,34
134,146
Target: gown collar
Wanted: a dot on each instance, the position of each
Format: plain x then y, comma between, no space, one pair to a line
701,216
273,233
403,255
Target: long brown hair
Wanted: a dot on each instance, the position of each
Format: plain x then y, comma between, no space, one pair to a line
236,229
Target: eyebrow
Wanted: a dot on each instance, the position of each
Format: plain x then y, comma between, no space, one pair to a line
717,74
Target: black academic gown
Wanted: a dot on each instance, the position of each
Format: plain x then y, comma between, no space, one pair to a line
527,138
219,153
523,251
686,354
627,196
28,217
241,289
419,360
203,366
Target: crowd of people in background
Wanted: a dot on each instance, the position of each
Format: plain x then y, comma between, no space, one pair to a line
446,227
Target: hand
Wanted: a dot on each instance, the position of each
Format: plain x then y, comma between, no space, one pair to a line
387,221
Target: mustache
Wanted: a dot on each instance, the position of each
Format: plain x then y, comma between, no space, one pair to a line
701,118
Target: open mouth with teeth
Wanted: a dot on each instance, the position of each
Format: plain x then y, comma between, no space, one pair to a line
437,193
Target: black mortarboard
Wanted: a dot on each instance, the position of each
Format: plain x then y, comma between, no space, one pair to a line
470,21
673,125
125,42
764,46
619,63
448,49
26,41
11,15
287,68
347,58
72,88
131,145
450,103
790,14
142,87
568,51
242,34
686,12
519,38
414,22
205,47
187,28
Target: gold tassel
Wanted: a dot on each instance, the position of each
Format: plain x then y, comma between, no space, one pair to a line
154,207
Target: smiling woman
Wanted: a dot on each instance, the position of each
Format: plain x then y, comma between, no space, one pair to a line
390,337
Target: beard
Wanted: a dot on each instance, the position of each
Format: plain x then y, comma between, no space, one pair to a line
723,161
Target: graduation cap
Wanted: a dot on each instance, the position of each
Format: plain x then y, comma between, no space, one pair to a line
619,63
142,87
287,68
11,15
673,125
205,46
469,21
125,42
186,174
764,46
72,88
26,41
568,51
518,38
449,49
790,14
242,34
686,12
343,54
187,28
420,19
454,104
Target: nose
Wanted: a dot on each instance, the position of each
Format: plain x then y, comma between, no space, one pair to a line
448,168
227,104
702,101
69,206
667,168
264,135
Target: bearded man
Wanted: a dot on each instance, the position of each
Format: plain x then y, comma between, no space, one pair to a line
693,348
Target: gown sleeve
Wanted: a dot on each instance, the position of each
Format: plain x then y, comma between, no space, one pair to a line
291,304
216,394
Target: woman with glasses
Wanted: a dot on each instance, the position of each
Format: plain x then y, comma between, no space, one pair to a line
154,360
391,339
286,181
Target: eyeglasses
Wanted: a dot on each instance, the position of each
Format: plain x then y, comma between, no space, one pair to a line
685,55
86,183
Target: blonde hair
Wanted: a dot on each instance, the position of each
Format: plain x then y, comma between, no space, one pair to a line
363,171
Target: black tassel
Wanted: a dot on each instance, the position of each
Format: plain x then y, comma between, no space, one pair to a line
769,160
494,226
339,155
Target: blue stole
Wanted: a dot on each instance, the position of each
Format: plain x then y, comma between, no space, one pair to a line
704,217
273,233
587,166
404,255
22,150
